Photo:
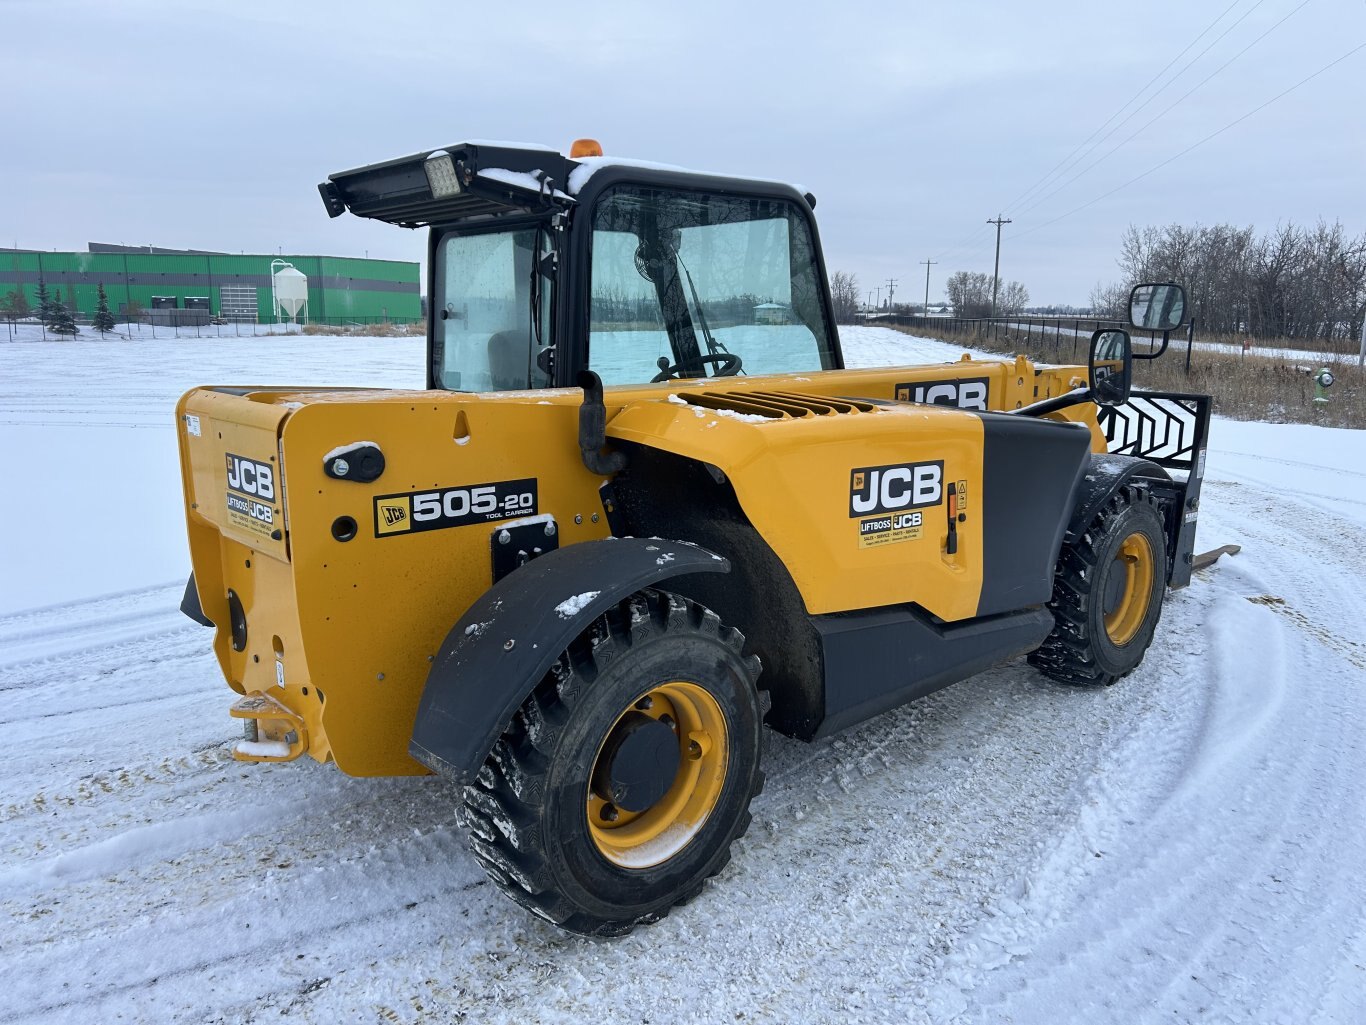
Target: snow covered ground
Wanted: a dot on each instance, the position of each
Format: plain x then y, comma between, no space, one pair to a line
1185,846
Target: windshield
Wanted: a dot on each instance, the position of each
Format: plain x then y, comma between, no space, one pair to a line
691,284
484,338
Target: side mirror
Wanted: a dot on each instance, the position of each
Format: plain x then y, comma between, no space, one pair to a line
1157,307
1112,367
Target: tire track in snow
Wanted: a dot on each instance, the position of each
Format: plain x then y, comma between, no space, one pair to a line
196,971
61,631
98,786
1275,748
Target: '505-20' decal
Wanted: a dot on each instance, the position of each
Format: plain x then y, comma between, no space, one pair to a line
454,507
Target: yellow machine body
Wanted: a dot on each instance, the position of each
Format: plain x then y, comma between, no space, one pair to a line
330,603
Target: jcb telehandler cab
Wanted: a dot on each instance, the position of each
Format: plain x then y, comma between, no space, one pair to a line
643,509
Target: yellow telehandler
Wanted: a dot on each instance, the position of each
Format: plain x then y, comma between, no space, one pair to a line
642,509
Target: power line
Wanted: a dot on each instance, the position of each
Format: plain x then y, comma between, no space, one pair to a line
979,230
1068,159
1096,163
966,246
1197,144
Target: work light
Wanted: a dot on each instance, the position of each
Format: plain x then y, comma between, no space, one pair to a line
441,175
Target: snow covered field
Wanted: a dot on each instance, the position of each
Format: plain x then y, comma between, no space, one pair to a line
1186,846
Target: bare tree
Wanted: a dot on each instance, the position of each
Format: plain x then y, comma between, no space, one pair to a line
844,294
1013,298
1293,282
970,295
1110,301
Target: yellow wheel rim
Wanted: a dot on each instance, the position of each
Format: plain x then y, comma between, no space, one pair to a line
645,838
1135,559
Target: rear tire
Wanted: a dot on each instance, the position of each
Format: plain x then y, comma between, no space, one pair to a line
655,694
1107,594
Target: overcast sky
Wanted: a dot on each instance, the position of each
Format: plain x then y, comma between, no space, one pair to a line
208,124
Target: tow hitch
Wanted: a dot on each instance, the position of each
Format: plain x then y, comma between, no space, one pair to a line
270,731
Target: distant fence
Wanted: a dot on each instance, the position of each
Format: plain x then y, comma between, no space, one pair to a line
1072,333
152,324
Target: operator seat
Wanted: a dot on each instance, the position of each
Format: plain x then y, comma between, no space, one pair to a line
509,360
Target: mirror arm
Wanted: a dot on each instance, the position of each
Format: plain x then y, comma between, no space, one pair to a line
1052,405
1166,337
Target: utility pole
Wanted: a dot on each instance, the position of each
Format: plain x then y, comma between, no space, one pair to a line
928,264
996,275
891,288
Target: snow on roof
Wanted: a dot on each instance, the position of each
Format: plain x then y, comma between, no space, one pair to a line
771,306
588,166
511,145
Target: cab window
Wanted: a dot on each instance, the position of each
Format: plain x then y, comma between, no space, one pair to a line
695,284
484,334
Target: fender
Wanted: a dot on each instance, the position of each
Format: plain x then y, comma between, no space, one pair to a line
1105,475
190,605
505,644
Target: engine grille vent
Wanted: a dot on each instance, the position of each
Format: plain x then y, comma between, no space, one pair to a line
777,405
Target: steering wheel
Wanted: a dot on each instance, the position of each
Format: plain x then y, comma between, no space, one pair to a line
727,365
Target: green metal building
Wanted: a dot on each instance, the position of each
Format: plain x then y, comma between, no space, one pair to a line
232,287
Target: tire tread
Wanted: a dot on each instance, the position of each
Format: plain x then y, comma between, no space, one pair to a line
501,807
1068,654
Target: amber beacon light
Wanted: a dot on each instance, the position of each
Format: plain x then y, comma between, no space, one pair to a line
585,148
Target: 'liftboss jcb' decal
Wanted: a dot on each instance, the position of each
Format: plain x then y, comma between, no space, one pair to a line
251,496
883,497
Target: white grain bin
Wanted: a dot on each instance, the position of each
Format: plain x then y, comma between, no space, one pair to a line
289,291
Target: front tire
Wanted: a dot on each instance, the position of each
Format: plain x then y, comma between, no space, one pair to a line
618,787
1107,594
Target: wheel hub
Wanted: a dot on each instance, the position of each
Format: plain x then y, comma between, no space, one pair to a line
638,763
657,775
1128,589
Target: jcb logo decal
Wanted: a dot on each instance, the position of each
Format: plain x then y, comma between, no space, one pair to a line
963,392
391,515
887,489
248,477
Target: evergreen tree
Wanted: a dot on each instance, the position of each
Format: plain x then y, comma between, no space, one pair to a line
104,320
62,323
44,302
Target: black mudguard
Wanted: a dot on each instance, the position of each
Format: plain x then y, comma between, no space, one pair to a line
505,644
1105,475
190,605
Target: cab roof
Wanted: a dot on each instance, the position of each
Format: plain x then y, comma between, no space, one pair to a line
494,178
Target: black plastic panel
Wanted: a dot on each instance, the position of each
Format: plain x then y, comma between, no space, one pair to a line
1031,471
878,659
